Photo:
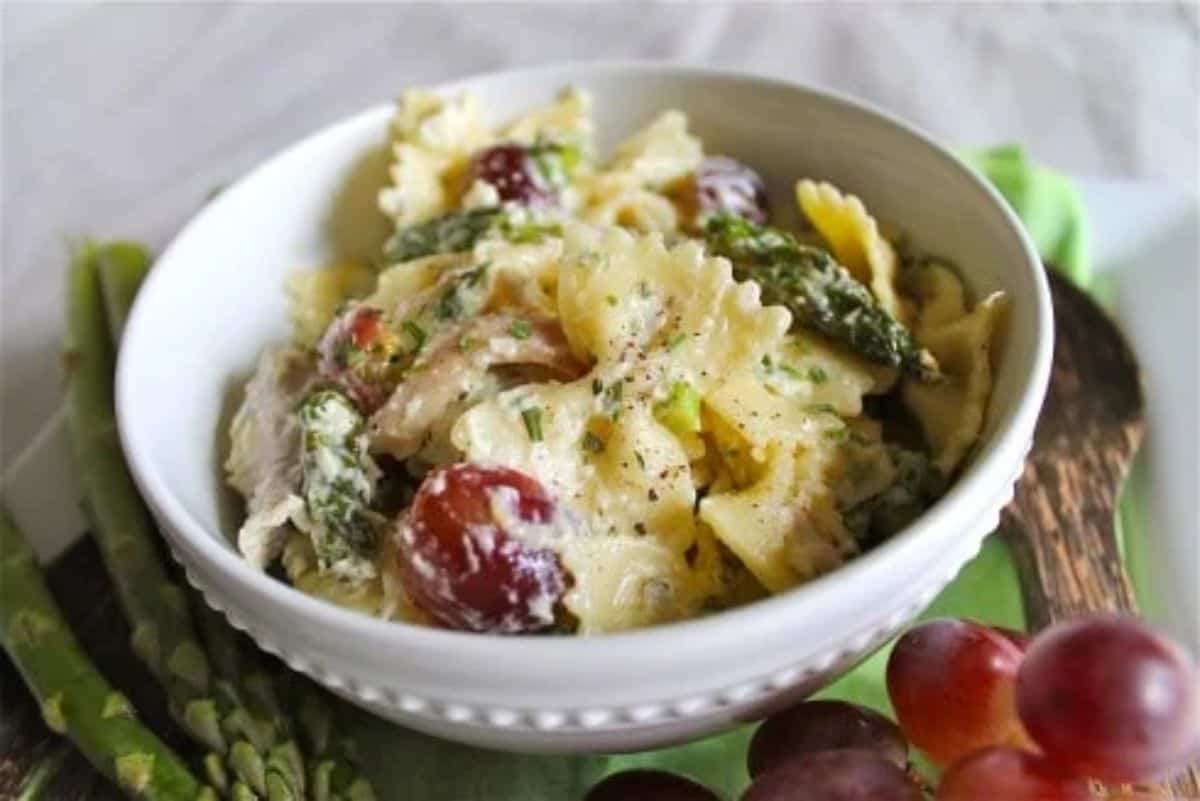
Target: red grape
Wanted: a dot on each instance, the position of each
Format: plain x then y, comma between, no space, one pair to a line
1107,697
720,185
464,554
846,775
649,785
952,683
361,356
512,170
824,726
1009,774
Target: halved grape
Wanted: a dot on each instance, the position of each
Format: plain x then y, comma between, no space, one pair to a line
824,726
511,169
649,785
846,775
1009,774
952,683
361,356
720,185
469,554
1109,698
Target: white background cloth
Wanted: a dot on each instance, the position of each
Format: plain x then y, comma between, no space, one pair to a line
119,120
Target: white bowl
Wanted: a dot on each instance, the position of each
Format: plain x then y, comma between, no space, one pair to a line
215,298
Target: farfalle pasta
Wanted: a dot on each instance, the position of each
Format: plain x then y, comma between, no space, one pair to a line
583,393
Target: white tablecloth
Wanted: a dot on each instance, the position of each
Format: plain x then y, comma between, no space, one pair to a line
119,120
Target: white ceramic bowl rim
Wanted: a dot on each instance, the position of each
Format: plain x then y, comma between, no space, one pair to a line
991,467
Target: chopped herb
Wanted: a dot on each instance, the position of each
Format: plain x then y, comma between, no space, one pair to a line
520,329
449,305
592,443
520,228
817,375
611,299
532,417
837,434
597,387
468,344
766,361
652,494
641,462
473,277
644,289
614,392
416,332
787,369
676,341
680,412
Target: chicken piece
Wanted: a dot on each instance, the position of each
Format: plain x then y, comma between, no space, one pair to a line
264,456
459,369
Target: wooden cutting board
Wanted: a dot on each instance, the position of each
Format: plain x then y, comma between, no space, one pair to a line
1060,526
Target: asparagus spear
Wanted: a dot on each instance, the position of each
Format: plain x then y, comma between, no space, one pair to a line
450,233
266,760
76,700
338,481
122,266
155,606
818,291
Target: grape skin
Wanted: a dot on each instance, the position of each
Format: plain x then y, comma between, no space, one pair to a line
649,785
824,726
1012,775
1109,698
845,775
467,570
511,170
719,185
952,683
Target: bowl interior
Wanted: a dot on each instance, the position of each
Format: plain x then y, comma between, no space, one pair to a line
216,296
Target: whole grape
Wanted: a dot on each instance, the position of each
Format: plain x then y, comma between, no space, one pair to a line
845,775
649,785
952,684
1010,774
824,726
1109,698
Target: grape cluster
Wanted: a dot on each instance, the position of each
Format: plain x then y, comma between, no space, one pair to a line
1009,718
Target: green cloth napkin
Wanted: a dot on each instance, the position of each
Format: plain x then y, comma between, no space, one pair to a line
404,764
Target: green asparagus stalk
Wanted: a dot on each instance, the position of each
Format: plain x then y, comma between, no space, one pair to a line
263,759
820,293
76,700
122,267
155,606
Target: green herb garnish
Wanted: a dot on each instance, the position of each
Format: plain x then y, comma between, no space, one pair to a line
520,329
417,333
532,417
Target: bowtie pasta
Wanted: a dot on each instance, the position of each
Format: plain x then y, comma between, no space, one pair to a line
582,394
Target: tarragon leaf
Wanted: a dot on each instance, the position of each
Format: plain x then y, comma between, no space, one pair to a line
820,293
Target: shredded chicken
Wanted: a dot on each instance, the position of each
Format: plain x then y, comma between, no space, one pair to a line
461,369
264,456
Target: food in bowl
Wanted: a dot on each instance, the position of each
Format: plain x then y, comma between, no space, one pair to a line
581,395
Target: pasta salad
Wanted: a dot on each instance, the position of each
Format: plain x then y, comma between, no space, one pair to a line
582,394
